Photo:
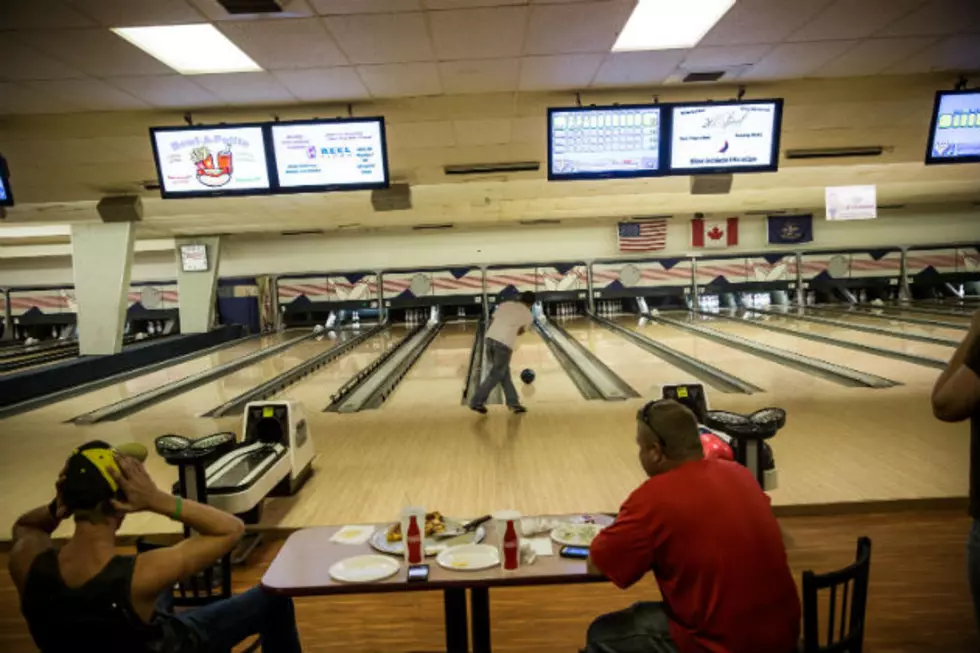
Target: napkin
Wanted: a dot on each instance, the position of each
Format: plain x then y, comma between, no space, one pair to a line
541,546
353,535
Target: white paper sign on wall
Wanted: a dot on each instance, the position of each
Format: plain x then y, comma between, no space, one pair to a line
851,202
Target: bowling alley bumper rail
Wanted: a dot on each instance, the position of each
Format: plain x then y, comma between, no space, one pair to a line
854,326
278,383
814,366
146,399
374,384
874,313
716,378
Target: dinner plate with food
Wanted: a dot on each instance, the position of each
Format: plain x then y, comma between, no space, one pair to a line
575,534
440,533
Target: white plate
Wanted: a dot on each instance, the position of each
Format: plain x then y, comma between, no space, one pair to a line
364,569
469,557
575,534
433,545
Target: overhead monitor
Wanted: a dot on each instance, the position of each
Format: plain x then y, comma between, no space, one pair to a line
725,137
211,161
6,195
604,142
954,135
194,258
328,155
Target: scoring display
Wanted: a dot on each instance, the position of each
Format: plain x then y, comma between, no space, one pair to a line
211,161
955,136
315,155
730,137
604,142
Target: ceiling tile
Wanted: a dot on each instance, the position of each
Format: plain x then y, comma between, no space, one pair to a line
382,38
401,79
245,88
873,56
97,52
478,33
558,72
576,27
959,53
134,13
41,14
638,68
796,59
22,62
331,7
853,19
290,9
419,135
18,98
171,91
323,84
762,21
285,44
481,132
939,17
480,75
724,56
89,94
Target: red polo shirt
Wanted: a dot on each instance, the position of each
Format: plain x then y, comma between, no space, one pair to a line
707,532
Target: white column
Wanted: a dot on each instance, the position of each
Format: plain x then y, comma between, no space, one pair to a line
197,290
102,258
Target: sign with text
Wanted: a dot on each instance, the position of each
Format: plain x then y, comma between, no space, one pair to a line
725,137
851,202
954,136
322,155
203,161
602,142
193,258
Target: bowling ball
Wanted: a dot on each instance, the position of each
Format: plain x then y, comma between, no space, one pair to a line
715,448
527,376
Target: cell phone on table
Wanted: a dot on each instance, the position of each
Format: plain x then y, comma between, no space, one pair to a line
418,573
576,552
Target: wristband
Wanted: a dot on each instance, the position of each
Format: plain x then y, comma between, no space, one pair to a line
180,505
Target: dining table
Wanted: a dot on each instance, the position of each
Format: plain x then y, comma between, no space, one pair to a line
302,568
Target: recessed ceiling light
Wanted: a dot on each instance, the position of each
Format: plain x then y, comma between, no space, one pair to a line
670,24
190,49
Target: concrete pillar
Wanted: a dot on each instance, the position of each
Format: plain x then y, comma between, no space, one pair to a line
102,257
198,289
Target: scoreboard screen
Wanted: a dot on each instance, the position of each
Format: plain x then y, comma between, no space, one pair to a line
724,137
954,135
604,142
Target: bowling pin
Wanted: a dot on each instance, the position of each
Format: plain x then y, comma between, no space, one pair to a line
150,329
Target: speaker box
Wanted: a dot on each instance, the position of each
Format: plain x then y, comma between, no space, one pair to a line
397,197
711,184
127,208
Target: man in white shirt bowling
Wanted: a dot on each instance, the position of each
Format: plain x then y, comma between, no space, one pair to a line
509,321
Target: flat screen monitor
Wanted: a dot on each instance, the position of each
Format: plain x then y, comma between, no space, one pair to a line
211,161
604,142
328,155
954,135
725,137
6,195
194,258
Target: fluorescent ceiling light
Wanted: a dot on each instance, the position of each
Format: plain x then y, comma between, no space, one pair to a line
670,24
190,49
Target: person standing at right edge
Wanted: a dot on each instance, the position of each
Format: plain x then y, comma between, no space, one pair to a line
510,320
956,397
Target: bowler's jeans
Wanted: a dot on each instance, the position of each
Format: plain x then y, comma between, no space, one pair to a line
640,628
499,355
220,626
973,567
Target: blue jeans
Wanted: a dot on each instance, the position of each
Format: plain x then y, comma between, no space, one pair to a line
499,355
640,628
973,568
219,627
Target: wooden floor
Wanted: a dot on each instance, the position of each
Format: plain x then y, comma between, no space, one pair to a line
919,602
840,445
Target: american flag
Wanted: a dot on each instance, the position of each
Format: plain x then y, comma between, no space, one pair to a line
648,236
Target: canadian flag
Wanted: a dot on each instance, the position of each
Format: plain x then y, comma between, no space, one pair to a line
714,233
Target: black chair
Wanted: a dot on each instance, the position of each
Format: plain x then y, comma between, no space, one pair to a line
853,582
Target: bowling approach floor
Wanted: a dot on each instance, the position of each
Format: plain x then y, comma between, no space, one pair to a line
841,445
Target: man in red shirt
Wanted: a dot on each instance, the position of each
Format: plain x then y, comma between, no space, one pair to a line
706,530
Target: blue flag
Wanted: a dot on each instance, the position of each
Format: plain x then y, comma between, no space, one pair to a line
790,229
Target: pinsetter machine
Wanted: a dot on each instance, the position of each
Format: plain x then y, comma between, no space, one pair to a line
273,457
731,436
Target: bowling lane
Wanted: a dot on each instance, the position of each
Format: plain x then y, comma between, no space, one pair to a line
90,401
887,367
638,367
892,325
439,376
313,392
551,382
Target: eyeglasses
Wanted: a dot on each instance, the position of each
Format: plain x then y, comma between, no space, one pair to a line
643,415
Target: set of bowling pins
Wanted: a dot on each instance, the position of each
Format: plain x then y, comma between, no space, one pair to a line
416,316
564,309
609,308
757,299
709,302
154,328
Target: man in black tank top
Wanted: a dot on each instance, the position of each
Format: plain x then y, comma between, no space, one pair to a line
84,597
956,397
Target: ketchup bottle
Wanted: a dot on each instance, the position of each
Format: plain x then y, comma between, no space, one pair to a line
413,540
511,552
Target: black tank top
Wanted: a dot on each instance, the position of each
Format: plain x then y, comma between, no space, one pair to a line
98,616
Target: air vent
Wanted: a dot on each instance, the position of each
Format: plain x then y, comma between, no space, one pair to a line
491,168
772,212
711,184
891,207
348,226
705,76
304,232
251,6
540,222
432,227
150,184
648,218
834,152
